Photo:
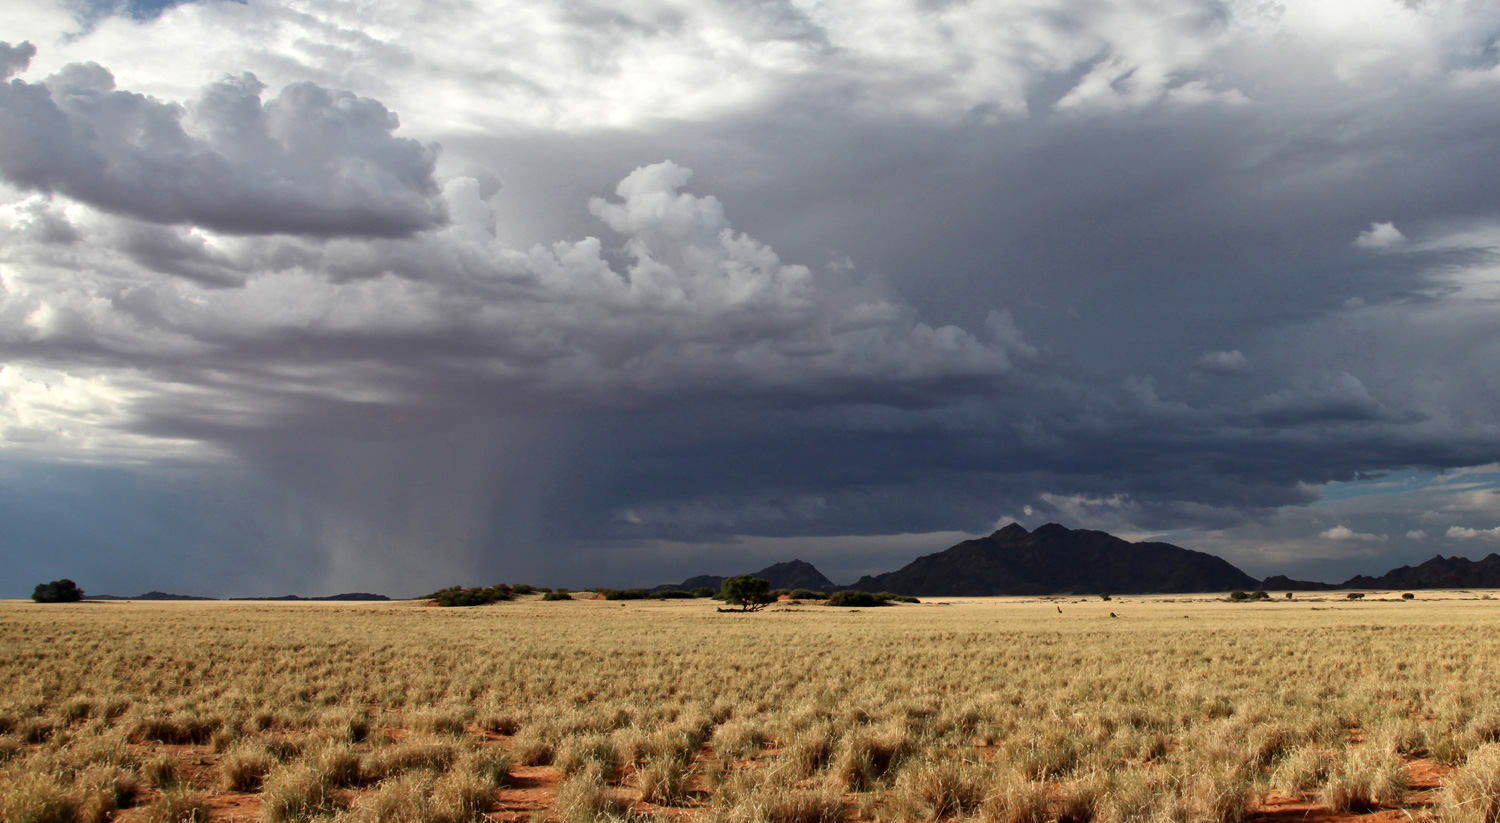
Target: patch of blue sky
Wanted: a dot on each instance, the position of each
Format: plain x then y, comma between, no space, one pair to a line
1408,481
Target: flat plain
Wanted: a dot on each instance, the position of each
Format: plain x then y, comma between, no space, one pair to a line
1005,710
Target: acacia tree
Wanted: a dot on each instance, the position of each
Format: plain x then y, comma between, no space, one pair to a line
750,593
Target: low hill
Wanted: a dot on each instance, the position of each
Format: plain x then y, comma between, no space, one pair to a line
1055,559
793,574
1438,573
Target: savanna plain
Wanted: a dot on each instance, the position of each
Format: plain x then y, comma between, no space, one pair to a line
1178,710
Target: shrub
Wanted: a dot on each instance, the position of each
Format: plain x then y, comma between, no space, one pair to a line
808,594
703,592
748,592
1239,595
1408,596
460,596
550,596
672,594
1356,595
58,591
624,594
855,598
522,588
896,598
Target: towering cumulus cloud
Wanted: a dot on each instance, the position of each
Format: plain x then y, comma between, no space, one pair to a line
307,161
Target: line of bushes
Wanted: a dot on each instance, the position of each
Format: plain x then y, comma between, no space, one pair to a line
857,598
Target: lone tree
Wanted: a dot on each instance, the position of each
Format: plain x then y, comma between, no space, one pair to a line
750,593
58,591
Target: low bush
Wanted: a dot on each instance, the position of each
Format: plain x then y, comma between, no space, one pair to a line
58,591
460,596
808,594
703,592
672,594
551,596
856,598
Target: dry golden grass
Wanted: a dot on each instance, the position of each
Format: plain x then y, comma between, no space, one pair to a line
1182,710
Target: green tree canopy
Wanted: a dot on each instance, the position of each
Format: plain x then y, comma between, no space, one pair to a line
58,591
750,593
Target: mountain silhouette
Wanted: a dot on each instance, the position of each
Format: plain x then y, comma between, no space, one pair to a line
1055,559
793,574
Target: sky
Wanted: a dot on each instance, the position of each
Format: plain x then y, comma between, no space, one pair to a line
308,296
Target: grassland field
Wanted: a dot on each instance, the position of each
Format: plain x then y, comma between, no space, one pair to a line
1005,710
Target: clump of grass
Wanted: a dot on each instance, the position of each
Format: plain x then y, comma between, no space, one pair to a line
296,794
489,765
584,751
663,780
1218,794
947,788
1303,769
867,756
500,722
1473,791
1079,798
811,750
417,753
534,745
39,798
177,729
159,771
338,765
1368,778
348,725
245,766
785,804
176,806
585,797
1015,798
741,738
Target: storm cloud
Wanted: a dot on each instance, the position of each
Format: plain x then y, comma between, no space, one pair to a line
629,294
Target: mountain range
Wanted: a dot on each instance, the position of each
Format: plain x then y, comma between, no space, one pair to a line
1054,559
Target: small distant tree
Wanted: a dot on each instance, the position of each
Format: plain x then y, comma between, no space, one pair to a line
1356,595
749,593
1289,595
1408,596
1104,597
58,591
1238,595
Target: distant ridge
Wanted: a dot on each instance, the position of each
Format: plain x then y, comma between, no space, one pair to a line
1438,573
151,595
1055,560
793,574
348,596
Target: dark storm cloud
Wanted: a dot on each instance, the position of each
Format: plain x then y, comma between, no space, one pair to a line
1152,270
307,161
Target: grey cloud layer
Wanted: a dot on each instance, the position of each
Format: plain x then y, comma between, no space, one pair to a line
308,161
1147,268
